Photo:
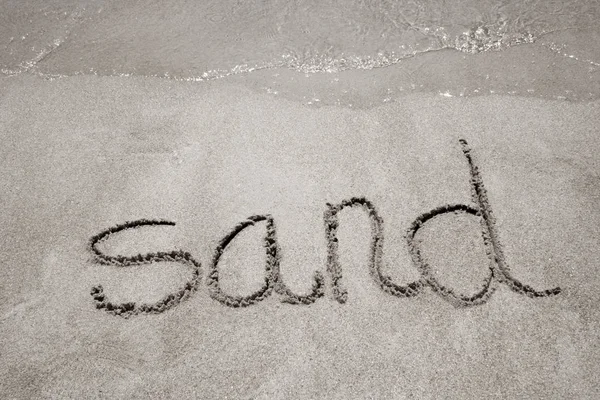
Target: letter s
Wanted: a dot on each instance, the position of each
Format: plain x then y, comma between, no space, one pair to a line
128,309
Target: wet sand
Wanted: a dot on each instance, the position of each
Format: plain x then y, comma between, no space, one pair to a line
83,154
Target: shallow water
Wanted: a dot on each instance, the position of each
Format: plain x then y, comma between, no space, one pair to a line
452,48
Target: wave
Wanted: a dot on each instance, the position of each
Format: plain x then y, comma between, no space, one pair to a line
188,41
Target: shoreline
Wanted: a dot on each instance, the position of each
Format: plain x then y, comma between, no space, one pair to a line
542,69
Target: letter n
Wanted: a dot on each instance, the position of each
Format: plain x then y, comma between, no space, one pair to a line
334,268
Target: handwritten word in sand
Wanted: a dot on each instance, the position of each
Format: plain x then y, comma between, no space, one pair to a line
273,281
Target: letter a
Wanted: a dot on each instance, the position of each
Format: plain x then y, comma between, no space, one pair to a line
272,279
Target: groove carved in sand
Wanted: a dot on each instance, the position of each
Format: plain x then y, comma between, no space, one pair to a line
273,281
131,308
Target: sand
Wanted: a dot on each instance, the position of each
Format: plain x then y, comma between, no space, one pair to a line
84,154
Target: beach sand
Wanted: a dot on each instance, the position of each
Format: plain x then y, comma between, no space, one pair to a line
82,154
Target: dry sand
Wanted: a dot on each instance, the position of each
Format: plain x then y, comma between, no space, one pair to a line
82,154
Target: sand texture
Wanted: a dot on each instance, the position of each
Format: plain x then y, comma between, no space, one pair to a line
165,239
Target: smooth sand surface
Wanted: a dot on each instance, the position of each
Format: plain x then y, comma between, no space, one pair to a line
83,154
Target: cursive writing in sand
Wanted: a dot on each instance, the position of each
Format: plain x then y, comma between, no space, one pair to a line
273,281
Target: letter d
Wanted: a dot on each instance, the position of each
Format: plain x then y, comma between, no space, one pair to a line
499,270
